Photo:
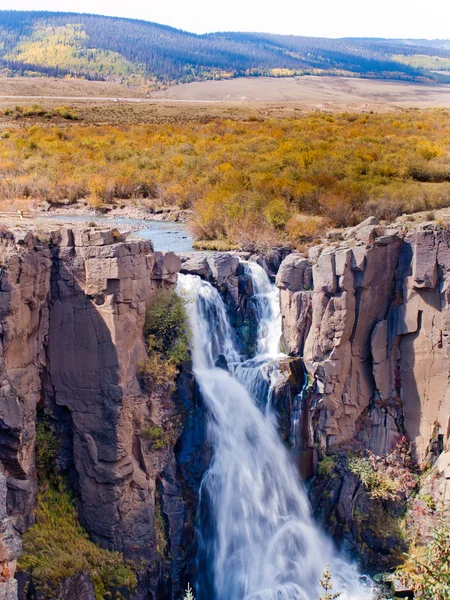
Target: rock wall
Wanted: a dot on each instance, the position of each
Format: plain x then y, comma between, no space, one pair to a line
100,293
24,289
10,549
370,316
72,311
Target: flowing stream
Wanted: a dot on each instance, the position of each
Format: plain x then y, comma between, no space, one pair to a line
257,538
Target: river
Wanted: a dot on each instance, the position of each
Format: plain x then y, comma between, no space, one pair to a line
165,235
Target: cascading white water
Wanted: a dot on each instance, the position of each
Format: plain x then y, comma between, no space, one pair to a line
267,308
260,539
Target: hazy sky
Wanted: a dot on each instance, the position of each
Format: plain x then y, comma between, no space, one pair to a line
330,18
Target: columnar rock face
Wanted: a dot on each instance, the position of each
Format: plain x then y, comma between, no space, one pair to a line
100,293
371,319
72,311
294,279
24,292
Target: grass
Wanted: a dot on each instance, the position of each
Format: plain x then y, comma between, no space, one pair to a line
57,547
215,245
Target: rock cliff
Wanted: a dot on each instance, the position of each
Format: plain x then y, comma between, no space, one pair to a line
370,318
10,548
365,318
72,311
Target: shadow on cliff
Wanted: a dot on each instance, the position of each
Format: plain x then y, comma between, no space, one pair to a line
405,328
82,376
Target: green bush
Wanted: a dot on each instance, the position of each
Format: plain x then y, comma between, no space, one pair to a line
36,110
46,449
327,466
57,547
379,485
428,500
66,113
166,335
156,436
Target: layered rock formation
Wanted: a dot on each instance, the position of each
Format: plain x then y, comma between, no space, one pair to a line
100,293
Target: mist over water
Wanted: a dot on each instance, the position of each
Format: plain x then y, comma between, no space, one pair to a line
257,538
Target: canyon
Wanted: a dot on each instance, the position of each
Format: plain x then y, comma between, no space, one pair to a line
365,322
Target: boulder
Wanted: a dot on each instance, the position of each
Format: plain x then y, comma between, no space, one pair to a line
361,230
223,265
196,263
295,273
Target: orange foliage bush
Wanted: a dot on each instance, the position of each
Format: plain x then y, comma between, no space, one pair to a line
244,180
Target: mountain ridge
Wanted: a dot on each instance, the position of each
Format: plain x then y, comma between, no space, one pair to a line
149,55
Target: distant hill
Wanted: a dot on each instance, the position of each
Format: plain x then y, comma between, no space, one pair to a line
151,56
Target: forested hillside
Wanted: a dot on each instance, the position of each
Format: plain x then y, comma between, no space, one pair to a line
150,55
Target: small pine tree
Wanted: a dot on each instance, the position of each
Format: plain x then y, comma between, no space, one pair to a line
327,586
189,593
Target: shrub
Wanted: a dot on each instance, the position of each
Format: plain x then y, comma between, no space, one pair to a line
427,569
379,484
304,228
36,110
428,500
66,113
57,547
156,436
46,449
166,335
327,466
157,371
327,586
244,181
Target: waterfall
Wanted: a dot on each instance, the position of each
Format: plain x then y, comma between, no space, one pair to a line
258,540
267,309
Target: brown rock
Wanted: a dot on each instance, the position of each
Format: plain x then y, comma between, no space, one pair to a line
10,548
